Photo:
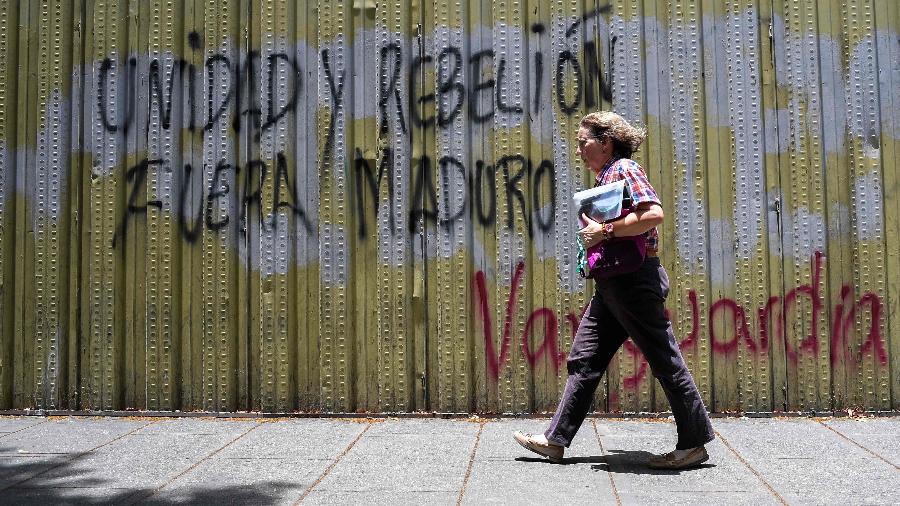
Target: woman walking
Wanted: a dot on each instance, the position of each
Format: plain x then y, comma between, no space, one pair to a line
629,304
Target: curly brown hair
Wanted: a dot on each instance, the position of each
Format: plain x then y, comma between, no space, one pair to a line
605,124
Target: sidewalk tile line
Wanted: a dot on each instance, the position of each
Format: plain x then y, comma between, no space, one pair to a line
192,466
751,468
612,482
334,463
465,483
76,457
848,438
45,420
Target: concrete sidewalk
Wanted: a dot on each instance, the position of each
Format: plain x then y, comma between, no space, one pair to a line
88,460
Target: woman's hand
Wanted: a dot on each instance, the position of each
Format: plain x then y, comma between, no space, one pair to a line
592,233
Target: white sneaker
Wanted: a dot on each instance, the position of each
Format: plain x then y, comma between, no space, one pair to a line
544,448
679,459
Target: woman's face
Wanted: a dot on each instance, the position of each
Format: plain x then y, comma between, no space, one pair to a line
593,153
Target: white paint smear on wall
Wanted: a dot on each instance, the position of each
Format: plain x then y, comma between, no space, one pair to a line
776,123
802,80
98,142
646,52
333,248
306,162
852,97
868,206
164,181
567,169
628,56
394,241
161,143
657,49
862,94
834,124
795,71
451,186
366,58
691,213
509,45
745,104
778,32
804,233
542,118
274,240
47,182
719,37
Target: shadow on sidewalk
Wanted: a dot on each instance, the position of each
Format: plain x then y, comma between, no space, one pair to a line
618,461
39,479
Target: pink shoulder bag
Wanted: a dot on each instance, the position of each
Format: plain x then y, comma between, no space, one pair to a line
619,255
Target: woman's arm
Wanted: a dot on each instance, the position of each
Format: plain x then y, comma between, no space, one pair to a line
646,216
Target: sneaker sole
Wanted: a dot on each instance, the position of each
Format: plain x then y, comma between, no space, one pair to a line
555,460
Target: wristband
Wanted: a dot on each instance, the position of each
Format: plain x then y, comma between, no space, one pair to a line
608,230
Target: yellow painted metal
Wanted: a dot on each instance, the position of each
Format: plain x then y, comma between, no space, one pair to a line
887,21
365,205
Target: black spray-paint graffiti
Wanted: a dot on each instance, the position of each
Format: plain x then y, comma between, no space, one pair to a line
206,208
183,76
453,91
529,189
234,86
228,89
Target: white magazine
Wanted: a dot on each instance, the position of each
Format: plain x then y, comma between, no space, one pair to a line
601,203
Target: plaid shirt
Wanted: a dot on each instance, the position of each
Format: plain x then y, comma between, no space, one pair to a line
639,187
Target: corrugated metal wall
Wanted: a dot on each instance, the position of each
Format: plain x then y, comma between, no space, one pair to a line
365,205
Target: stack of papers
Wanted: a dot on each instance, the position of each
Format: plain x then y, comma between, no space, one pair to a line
601,203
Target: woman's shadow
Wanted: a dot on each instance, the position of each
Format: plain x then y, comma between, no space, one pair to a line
618,461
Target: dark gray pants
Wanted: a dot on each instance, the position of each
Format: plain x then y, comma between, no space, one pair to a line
630,305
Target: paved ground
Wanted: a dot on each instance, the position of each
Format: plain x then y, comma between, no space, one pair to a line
88,460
